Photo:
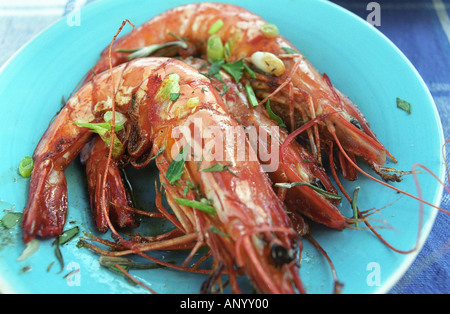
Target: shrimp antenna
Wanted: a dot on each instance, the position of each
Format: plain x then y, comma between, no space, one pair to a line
419,198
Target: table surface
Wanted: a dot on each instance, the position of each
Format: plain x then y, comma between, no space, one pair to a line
420,28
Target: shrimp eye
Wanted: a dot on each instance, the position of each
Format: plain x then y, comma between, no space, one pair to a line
280,255
356,123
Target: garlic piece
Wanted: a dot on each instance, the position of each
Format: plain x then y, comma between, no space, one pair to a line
268,63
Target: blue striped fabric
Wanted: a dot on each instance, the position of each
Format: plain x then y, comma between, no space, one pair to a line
420,28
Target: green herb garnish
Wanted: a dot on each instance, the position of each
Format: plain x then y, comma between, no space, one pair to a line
273,116
10,219
290,50
404,105
203,205
315,188
160,151
218,167
251,95
26,166
68,235
149,50
235,69
170,85
176,167
104,128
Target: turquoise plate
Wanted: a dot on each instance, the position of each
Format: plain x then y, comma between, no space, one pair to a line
360,61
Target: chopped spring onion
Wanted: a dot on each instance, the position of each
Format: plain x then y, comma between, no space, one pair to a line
251,95
176,167
273,116
31,248
215,27
104,128
404,105
319,190
270,30
202,205
10,219
170,85
290,51
218,167
149,50
26,166
214,48
120,119
68,235
235,69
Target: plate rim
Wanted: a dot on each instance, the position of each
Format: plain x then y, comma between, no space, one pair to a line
8,288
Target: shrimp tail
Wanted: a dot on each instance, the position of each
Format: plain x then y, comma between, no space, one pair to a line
94,156
46,210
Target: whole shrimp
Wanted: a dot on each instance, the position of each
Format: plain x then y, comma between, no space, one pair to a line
236,212
297,165
298,92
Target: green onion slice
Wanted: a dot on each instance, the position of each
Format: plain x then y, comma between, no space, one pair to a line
319,190
270,30
176,167
26,166
215,27
251,95
214,48
203,206
273,116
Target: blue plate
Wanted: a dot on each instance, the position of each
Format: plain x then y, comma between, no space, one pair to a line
360,61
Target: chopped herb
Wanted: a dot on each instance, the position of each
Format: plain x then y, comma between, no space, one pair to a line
226,51
290,50
202,205
58,254
68,235
104,128
235,69
217,231
149,50
176,168
26,166
160,151
273,116
249,71
10,219
216,65
218,167
126,263
174,96
319,190
215,27
251,95
404,105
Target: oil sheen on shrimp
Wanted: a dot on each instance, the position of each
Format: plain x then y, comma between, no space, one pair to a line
245,224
